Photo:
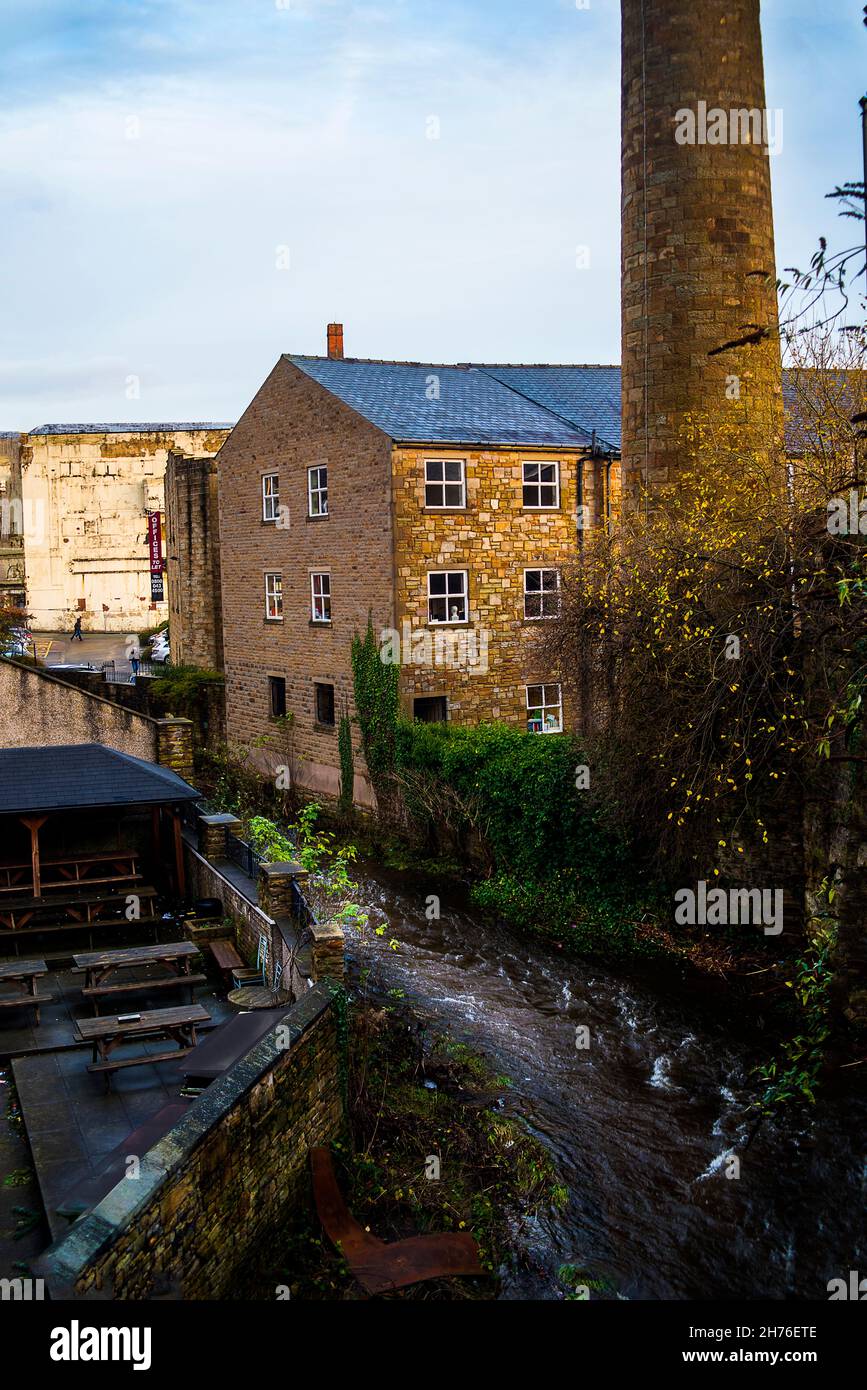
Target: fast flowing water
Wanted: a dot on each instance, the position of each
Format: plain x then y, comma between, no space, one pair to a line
642,1123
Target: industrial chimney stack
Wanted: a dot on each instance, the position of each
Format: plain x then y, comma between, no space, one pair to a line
698,238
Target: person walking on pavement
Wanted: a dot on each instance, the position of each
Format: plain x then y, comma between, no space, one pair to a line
76,631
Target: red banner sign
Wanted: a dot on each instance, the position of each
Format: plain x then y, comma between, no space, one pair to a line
155,541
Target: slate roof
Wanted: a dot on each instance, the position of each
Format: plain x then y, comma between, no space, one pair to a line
131,428
76,775
416,402
588,397
491,403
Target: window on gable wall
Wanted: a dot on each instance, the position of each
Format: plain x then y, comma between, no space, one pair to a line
317,491
270,496
320,598
324,703
273,597
277,693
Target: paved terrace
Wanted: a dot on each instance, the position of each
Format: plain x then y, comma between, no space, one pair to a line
72,1124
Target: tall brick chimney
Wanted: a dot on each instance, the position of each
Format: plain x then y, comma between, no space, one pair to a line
697,233
335,340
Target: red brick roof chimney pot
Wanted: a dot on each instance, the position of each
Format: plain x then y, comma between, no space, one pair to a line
335,340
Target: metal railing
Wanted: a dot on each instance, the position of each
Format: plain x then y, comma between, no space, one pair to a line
243,855
301,909
121,671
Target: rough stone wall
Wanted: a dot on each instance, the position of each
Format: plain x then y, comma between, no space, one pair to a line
37,709
293,424
495,539
697,234
193,561
11,521
215,1188
86,552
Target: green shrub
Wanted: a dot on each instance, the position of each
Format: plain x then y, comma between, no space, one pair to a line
182,688
558,863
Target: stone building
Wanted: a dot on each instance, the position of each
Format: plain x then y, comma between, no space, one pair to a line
698,267
12,580
441,500
193,561
87,490
445,501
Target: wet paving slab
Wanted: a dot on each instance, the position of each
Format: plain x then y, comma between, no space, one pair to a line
71,1122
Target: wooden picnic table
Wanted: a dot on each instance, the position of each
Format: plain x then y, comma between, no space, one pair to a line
79,868
106,1034
26,974
99,966
83,907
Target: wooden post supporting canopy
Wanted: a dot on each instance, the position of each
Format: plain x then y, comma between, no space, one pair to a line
33,824
179,853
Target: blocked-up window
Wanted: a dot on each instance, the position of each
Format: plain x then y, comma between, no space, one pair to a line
277,691
324,703
430,709
544,709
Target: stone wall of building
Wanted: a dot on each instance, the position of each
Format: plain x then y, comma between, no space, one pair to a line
193,561
214,1190
37,709
89,493
495,539
698,262
12,523
291,425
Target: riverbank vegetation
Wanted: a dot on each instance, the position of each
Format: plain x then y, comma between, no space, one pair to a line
430,1148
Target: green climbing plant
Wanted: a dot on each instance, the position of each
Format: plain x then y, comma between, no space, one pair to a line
347,765
376,688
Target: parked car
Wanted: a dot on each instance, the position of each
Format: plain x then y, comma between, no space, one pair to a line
19,642
160,648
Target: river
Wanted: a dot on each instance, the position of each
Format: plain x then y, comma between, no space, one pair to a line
641,1123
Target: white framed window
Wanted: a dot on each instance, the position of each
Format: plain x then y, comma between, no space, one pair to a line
445,483
273,597
270,496
317,491
541,593
320,598
541,485
447,596
544,709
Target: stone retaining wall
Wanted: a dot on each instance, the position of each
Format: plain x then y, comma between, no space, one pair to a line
214,1189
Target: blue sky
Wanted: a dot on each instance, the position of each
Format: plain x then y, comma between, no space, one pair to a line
190,187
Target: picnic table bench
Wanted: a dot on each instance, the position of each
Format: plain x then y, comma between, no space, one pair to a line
99,966
16,913
105,1034
25,974
81,868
